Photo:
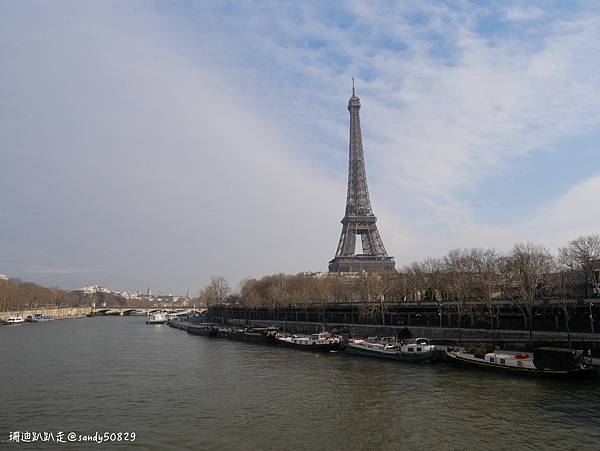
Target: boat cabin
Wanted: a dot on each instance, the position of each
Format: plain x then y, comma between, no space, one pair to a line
511,360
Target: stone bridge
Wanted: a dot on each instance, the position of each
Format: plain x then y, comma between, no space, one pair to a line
132,311
78,312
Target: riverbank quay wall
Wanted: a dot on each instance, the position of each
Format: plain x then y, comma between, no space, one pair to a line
584,315
517,339
439,321
57,312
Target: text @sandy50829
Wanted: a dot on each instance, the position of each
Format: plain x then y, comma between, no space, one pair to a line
70,437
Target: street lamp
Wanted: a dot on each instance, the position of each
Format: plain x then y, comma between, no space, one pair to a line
592,326
440,313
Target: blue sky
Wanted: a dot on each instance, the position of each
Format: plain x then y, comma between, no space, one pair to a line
159,143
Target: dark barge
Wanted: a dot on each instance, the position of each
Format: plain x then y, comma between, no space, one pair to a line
546,362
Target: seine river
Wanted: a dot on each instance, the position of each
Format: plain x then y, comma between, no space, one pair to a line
177,391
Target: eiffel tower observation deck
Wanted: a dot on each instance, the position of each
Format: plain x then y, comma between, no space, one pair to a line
359,219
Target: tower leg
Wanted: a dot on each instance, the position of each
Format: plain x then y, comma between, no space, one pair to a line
350,244
366,243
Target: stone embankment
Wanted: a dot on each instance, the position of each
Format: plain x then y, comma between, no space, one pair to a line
57,312
438,335
515,340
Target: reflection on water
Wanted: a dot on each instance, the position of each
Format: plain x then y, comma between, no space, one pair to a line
187,392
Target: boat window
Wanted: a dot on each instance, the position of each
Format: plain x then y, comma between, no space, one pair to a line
411,349
491,359
418,349
502,361
519,363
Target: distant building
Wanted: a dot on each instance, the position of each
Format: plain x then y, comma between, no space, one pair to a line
332,275
95,289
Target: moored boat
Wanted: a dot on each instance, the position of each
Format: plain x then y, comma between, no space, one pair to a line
419,350
205,329
157,318
14,320
547,361
322,342
41,318
261,335
172,315
38,317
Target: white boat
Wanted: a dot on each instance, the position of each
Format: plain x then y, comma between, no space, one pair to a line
14,320
323,341
157,318
38,318
389,348
42,318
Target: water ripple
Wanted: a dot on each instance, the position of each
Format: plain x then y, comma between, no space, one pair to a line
178,391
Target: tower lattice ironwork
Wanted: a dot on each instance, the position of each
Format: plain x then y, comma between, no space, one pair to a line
359,219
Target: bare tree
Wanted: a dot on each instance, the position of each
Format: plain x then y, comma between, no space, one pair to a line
564,280
416,281
276,293
580,254
460,271
506,278
377,287
486,262
215,292
529,263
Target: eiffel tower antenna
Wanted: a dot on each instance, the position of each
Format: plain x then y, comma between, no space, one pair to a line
359,219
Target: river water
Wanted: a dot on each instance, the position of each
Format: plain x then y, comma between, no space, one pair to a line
178,391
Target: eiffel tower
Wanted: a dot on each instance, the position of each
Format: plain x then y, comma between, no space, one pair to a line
359,219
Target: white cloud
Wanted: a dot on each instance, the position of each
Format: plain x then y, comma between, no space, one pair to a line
168,151
575,213
61,270
450,106
131,156
523,13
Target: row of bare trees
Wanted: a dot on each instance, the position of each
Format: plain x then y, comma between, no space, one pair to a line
462,280
16,295
529,272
